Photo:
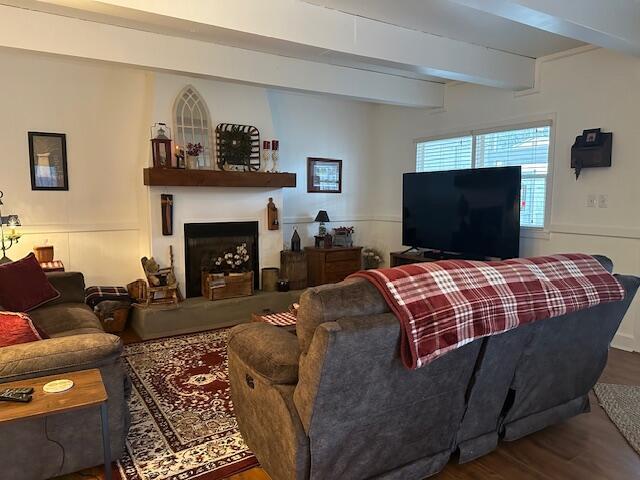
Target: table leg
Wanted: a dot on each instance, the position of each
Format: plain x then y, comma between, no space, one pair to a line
106,441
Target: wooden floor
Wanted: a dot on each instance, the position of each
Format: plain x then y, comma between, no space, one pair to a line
587,447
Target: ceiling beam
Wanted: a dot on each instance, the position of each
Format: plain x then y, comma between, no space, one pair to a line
296,25
613,24
54,34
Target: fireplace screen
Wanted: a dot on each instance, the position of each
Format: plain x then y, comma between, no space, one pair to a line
207,244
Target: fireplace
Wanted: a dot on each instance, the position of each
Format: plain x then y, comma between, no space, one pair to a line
204,242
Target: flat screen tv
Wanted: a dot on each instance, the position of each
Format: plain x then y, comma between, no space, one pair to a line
474,213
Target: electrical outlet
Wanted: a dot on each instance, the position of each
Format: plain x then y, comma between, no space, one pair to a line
592,200
603,201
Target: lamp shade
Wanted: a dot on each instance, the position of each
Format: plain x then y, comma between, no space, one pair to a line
322,216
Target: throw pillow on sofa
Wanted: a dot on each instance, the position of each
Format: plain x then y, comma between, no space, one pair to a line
24,286
16,328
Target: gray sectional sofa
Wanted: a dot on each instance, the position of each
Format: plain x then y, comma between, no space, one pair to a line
337,403
43,448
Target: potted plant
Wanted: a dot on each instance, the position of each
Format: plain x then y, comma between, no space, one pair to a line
228,275
233,262
371,258
342,237
193,152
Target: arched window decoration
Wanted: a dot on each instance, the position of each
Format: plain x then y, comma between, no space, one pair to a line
193,124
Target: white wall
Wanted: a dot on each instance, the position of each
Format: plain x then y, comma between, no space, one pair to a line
108,219
326,127
230,103
94,227
597,88
306,125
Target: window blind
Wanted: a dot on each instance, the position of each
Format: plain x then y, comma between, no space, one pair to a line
527,147
445,154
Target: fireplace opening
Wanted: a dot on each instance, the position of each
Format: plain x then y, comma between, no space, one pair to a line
206,242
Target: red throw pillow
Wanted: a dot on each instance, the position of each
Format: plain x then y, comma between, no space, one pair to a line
17,328
24,286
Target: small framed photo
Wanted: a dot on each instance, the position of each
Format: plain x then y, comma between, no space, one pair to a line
324,175
48,160
591,136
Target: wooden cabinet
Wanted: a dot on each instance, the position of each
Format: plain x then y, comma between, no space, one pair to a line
332,265
405,258
293,266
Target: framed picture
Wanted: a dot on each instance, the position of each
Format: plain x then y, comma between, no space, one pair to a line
591,136
324,175
48,160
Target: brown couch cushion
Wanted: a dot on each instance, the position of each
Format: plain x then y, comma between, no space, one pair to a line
69,284
24,286
271,351
66,319
328,303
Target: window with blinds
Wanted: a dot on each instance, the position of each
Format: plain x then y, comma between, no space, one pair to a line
445,154
527,147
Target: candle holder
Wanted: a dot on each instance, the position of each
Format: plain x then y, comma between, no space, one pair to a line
9,237
266,155
275,155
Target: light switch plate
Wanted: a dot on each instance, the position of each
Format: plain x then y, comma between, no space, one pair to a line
603,201
592,200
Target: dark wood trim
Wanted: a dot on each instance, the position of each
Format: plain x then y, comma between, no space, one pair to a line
32,164
310,187
173,177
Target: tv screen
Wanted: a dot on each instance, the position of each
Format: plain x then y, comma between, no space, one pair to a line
473,212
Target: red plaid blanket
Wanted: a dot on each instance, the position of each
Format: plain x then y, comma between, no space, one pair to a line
444,305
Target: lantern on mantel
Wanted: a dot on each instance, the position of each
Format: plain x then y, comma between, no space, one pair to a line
161,145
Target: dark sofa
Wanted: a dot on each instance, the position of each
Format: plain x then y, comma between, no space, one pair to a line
43,448
336,402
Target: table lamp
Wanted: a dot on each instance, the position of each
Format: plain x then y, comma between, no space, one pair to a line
322,217
8,238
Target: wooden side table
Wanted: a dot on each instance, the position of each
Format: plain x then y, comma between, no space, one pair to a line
87,391
293,266
332,265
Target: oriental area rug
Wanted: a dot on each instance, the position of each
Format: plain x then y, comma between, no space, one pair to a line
182,420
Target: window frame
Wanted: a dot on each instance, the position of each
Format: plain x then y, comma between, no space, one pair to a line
210,128
542,121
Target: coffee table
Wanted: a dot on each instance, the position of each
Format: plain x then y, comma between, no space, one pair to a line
87,391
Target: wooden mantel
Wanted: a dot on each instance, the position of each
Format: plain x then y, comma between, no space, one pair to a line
173,177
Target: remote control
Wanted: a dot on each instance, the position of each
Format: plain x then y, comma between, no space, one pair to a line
15,397
22,390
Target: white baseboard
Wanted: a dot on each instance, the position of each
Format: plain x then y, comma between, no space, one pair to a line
624,341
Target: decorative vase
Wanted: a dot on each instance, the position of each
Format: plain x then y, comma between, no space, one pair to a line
192,162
